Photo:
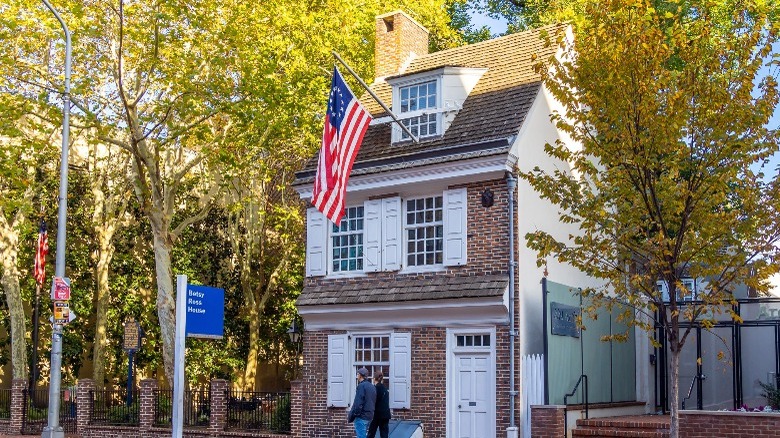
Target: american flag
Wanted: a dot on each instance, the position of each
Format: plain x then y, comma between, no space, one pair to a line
345,125
40,254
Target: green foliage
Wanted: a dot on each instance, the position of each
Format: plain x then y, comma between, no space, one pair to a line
237,86
664,179
772,395
280,419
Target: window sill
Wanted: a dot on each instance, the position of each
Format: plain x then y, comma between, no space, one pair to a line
350,274
422,269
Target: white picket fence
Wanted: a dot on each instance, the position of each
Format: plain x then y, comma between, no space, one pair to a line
533,388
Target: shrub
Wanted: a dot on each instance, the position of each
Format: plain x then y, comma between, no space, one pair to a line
772,394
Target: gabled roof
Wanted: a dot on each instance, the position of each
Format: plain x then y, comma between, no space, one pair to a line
494,111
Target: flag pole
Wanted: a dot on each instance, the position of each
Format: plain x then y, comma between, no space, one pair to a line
382,104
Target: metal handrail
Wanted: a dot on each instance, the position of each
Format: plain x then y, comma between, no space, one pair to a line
583,377
690,388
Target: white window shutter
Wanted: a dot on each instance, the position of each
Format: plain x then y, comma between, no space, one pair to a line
400,370
391,234
316,243
455,226
372,232
337,371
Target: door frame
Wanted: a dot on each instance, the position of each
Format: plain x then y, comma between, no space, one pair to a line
452,352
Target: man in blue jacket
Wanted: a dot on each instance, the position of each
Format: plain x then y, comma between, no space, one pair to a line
362,411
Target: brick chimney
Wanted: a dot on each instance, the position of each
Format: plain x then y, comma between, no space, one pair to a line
398,39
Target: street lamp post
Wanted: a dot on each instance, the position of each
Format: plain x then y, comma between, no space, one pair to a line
53,428
295,336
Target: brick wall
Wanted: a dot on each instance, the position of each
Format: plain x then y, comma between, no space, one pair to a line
18,386
397,37
548,421
488,241
708,424
488,254
297,406
428,384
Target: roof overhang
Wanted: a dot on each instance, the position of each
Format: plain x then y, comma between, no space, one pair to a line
432,313
465,164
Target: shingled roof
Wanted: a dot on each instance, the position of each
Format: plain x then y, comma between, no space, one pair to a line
404,288
494,111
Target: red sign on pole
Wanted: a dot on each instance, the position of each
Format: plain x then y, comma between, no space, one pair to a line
60,289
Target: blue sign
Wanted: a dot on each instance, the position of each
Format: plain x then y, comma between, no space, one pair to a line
205,312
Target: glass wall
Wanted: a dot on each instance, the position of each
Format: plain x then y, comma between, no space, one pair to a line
609,365
758,364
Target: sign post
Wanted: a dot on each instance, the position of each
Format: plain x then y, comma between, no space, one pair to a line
200,313
178,361
131,343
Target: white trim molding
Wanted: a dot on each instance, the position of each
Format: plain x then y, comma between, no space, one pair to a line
476,169
431,313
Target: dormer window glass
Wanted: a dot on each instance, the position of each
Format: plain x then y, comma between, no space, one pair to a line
418,98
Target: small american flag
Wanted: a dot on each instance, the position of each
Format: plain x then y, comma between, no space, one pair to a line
345,125
40,254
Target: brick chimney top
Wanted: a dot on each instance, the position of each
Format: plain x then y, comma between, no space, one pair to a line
399,38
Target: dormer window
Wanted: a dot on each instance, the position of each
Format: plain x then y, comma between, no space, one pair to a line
414,99
427,102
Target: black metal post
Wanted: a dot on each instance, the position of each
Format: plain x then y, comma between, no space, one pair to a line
736,342
662,367
34,358
130,377
699,371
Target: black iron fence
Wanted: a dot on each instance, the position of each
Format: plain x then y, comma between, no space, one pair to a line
259,411
36,411
114,407
5,404
197,407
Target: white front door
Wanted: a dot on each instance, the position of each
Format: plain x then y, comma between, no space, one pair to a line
473,418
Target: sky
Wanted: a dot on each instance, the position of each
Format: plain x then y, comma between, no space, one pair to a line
498,27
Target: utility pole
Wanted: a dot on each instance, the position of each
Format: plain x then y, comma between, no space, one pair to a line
53,428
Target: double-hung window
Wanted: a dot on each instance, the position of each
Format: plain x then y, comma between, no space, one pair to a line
390,353
373,353
691,293
347,242
416,99
424,231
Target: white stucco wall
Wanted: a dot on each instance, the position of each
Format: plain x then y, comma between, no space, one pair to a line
536,213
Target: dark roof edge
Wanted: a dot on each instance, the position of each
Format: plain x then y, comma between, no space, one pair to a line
422,155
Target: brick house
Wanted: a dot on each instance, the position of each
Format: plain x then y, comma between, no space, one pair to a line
416,280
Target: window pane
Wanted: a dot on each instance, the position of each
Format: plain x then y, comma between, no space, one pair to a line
424,227
347,241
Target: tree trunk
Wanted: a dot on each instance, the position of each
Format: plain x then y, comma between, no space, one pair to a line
105,255
13,297
674,401
166,313
250,375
